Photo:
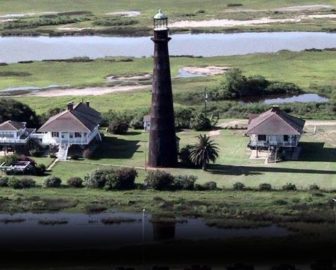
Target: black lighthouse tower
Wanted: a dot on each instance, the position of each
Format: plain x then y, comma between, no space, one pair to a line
162,138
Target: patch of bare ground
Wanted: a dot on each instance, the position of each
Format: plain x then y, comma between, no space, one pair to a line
89,91
260,21
234,124
207,71
125,13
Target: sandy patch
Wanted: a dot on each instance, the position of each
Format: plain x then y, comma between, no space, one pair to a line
322,16
234,124
125,13
89,91
207,71
214,133
72,28
235,23
320,123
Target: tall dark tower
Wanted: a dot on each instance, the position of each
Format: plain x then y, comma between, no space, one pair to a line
162,137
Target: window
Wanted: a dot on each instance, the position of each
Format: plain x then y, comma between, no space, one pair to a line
285,138
55,134
78,135
261,137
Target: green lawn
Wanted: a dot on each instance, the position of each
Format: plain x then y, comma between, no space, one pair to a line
304,69
316,165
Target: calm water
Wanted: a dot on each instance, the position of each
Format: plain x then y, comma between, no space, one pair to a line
14,49
303,98
89,231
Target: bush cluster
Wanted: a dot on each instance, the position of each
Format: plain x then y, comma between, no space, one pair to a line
161,180
52,182
110,179
289,187
22,183
75,182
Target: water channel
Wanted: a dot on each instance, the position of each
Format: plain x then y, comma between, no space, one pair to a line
15,49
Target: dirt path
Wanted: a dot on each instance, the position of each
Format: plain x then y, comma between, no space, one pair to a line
125,13
207,71
320,123
234,23
89,91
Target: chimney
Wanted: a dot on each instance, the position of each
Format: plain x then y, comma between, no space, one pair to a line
87,103
70,106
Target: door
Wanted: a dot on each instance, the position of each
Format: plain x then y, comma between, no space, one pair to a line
65,137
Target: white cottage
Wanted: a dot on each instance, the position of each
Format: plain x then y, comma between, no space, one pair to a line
14,133
274,130
78,125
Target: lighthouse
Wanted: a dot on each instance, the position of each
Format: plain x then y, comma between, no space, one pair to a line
162,136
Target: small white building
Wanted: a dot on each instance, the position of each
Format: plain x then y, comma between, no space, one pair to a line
78,125
14,133
147,122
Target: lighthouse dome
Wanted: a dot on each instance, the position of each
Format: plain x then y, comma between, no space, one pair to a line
160,15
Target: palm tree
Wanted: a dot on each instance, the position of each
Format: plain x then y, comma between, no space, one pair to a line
204,151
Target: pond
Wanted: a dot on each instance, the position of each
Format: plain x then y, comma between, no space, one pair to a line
14,49
282,99
109,230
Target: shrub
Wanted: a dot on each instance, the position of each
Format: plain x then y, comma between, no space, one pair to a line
280,202
183,117
97,178
52,182
314,187
9,160
184,182
289,187
40,169
21,183
184,156
88,153
122,179
118,127
201,123
210,185
4,181
265,187
238,186
206,186
159,180
76,182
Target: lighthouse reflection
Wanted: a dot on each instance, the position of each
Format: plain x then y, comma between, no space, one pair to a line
163,228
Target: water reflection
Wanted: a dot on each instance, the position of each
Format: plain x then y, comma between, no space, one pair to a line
111,230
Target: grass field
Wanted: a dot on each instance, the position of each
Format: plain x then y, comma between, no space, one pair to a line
177,10
315,166
303,68
146,6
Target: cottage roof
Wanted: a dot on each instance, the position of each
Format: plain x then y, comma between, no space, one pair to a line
275,122
12,125
80,118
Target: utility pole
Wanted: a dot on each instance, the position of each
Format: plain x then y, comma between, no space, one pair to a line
205,102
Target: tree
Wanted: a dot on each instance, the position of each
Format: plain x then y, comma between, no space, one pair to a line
11,109
204,151
234,86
